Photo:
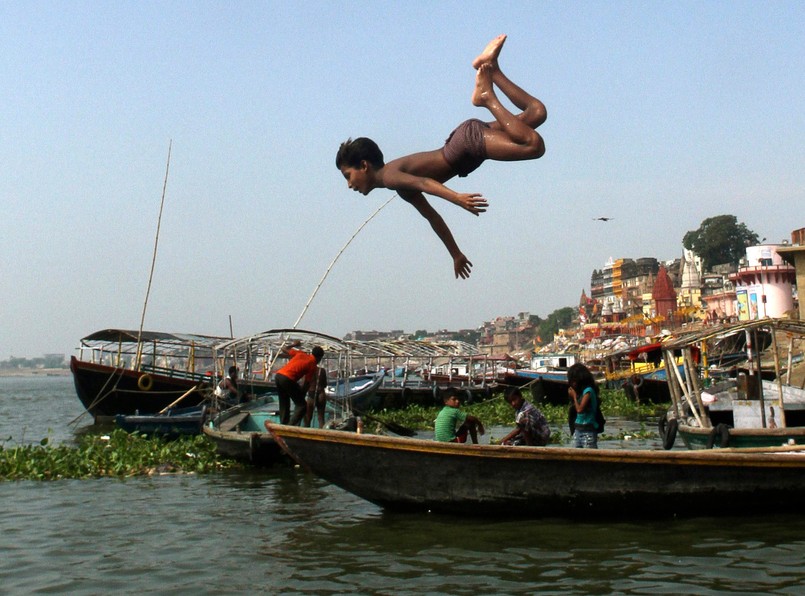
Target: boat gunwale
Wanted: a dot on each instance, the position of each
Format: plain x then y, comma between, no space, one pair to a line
785,456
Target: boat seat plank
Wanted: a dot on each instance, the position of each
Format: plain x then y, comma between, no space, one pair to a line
231,423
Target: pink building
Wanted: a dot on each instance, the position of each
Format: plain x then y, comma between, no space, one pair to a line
764,284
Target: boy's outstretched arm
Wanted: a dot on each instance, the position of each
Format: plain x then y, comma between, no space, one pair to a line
461,265
402,181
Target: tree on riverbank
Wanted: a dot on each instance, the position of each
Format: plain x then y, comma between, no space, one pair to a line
720,240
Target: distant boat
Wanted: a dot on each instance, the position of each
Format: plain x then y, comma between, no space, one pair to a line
496,480
547,373
114,374
641,372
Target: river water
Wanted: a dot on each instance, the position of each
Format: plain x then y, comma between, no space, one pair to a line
282,530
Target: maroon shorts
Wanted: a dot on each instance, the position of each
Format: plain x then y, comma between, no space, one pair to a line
465,148
461,435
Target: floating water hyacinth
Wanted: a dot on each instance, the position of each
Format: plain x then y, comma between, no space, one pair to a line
496,412
118,454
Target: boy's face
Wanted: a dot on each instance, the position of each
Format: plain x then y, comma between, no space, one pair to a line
360,178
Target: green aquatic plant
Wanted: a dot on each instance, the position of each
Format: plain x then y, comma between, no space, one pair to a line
118,454
496,412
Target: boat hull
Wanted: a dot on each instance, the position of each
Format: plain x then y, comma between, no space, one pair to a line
740,438
106,391
240,432
172,424
416,475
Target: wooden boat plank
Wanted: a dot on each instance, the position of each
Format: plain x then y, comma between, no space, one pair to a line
231,423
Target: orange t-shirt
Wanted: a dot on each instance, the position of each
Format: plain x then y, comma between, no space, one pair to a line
300,365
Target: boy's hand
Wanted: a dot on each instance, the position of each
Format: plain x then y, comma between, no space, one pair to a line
462,267
472,202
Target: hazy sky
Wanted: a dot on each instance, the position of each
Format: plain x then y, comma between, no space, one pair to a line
660,114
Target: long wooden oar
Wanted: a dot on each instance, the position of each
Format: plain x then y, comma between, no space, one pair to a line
185,394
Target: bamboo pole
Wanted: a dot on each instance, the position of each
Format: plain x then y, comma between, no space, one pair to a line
676,398
153,259
777,376
685,391
185,394
690,369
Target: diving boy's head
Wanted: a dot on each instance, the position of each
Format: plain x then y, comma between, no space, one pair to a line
358,160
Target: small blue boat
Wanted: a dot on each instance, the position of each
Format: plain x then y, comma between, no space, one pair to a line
174,423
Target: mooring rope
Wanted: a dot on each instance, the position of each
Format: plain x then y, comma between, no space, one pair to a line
101,395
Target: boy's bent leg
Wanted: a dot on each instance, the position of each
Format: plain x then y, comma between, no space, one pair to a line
533,113
509,138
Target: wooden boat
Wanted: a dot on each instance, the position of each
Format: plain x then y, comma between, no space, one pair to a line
417,391
173,423
547,375
641,372
120,371
416,475
416,360
240,432
359,391
469,371
126,372
745,410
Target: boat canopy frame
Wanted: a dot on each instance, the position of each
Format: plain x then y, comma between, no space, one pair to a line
687,391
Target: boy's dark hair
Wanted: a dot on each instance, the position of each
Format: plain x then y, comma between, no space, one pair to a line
233,370
449,392
317,352
352,152
511,393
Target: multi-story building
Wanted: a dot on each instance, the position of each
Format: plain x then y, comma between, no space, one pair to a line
621,286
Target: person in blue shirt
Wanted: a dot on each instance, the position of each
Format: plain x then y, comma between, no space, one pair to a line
583,393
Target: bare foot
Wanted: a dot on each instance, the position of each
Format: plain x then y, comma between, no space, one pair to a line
483,85
490,53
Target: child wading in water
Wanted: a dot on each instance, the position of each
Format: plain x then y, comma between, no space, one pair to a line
509,137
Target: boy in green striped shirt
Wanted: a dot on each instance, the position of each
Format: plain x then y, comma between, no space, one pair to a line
452,425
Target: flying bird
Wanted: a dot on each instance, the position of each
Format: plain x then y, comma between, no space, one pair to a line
602,218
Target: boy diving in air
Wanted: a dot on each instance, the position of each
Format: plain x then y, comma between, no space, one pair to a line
509,137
